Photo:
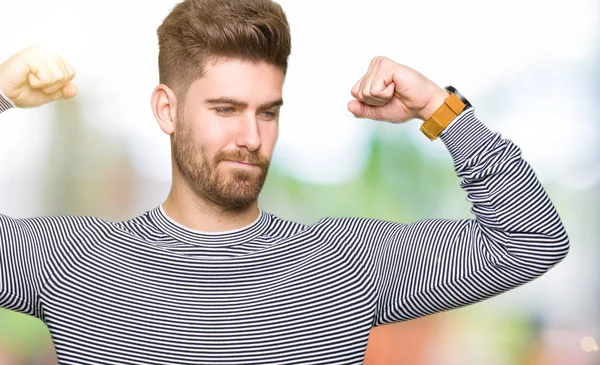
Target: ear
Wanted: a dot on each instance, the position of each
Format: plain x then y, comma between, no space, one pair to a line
164,107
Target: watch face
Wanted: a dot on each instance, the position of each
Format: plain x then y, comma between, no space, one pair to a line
452,90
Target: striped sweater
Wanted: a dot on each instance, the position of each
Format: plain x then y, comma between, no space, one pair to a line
149,291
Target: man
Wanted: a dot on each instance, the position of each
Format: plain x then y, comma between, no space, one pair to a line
207,277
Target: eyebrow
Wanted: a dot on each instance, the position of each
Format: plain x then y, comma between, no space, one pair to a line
232,101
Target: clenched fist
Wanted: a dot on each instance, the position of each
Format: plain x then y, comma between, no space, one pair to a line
395,93
36,76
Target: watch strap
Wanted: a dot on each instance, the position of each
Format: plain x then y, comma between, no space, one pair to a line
445,114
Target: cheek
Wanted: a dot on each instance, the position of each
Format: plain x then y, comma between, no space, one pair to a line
269,134
208,132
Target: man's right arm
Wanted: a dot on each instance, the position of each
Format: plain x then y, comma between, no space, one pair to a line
30,78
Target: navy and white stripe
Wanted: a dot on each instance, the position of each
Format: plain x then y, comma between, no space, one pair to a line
5,103
148,291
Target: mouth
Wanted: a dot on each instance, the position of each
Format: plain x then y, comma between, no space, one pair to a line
241,163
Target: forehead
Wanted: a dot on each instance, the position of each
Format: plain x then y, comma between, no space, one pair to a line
252,82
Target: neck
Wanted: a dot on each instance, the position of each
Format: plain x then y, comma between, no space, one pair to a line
197,213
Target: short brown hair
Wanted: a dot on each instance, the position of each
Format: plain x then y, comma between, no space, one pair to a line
199,30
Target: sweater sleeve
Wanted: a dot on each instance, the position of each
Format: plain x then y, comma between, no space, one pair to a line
435,264
5,103
31,251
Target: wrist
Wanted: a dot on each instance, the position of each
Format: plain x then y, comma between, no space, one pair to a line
5,102
438,95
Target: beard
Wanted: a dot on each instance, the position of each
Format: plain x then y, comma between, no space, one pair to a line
229,188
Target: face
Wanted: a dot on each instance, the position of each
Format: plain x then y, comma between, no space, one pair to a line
226,131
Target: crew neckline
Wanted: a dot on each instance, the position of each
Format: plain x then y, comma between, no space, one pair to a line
224,238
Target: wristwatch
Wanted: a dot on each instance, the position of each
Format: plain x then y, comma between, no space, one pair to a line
454,104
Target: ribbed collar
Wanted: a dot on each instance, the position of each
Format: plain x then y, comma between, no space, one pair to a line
220,239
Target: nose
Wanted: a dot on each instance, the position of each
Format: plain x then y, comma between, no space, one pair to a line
248,135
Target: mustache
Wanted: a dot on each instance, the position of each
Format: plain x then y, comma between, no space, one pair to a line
242,156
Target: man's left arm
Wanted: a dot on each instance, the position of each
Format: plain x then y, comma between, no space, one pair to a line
437,264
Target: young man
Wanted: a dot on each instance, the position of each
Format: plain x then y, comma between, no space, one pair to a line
207,277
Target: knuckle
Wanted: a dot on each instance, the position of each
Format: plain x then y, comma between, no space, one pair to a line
386,61
71,72
44,77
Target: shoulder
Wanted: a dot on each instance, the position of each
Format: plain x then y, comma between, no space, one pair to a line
282,227
51,224
359,230
53,236
357,224
142,225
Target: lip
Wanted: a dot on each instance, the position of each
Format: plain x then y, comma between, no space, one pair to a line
240,163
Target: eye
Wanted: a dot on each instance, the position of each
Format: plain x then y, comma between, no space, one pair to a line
269,115
225,110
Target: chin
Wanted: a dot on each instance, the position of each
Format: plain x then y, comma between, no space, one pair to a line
237,194
236,202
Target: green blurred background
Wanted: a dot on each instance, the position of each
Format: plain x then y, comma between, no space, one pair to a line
531,68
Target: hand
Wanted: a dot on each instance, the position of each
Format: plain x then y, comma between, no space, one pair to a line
395,93
36,76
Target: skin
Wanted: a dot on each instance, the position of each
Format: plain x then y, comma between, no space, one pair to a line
223,137
224,131
36,76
